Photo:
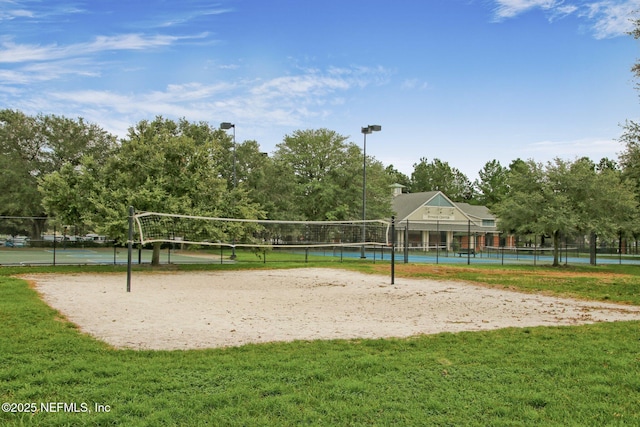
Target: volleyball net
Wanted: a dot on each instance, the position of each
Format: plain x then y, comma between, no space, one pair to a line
234,232
157,227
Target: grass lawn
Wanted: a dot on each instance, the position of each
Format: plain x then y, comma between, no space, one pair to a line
583,375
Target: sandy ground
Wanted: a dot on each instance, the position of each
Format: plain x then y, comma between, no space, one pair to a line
219,309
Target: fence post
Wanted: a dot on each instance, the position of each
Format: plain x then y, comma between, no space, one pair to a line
469,242
54,245
438,241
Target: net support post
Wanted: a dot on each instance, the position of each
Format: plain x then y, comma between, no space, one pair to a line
130,248
393,250
54,245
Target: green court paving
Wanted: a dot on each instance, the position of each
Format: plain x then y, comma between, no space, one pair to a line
47,256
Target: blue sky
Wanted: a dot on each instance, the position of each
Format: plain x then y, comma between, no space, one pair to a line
465,81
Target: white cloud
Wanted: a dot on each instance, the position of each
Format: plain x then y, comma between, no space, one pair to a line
185,18
611,19
15,13
511,8
414,84
594,148
16,53
606,18
286,101
296,86
34,12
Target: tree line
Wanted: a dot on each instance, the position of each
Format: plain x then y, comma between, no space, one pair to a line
80,174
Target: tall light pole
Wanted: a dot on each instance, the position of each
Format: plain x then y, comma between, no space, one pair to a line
365,131
226,126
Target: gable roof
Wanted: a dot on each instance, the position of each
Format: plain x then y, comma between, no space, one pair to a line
475,211
405,204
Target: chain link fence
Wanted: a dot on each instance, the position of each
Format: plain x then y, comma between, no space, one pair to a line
40,241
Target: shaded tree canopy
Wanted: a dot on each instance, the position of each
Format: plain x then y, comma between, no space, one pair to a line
492,184
565,197
322,176
162,166
438,175
33,147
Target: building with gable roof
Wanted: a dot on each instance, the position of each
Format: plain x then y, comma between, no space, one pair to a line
430,220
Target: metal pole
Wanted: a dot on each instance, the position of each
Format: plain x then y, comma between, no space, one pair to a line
235,184
130,248
364,196
406,243
54,245
393,250
235,179
437,241
226,126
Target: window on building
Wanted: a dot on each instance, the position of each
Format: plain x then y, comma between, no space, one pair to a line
439,200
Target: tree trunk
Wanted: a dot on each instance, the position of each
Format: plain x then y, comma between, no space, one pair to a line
155,258
37,228
556,248
593,248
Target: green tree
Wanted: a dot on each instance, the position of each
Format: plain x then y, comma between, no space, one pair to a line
607,163
635,33
630,157
438,175
161,166
492,184
565,197
318,175
536,204
397,177
32,147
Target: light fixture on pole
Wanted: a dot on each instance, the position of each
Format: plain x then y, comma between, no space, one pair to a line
365,131
227,126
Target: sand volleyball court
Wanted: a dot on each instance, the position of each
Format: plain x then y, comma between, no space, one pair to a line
192,310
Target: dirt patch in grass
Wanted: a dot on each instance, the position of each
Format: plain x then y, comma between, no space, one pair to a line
444,271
